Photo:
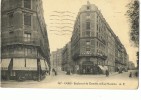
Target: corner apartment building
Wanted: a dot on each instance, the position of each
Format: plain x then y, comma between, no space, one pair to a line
93,43
25,45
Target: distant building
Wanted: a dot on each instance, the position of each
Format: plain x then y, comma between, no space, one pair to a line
67,62
94,46
56,59
25,45
121,56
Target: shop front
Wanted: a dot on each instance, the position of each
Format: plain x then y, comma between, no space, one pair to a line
88,67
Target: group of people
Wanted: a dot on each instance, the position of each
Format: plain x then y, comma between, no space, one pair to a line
135,74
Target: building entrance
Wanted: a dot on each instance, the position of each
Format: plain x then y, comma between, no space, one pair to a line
89,68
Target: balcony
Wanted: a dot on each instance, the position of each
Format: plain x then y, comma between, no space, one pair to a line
27,41
19,55
20,40
98,55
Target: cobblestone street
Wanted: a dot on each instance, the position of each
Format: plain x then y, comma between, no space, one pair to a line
115,80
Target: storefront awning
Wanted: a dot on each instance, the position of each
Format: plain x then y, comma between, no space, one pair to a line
24,64
101,67
43,66
18,63
46,65
31,64
106,67
5,63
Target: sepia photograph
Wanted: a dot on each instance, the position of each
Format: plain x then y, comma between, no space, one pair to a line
70,44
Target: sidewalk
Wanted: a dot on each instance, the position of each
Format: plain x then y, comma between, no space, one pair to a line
113,73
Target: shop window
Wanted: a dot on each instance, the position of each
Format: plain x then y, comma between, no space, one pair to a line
27,19
27,4
87,59
13,73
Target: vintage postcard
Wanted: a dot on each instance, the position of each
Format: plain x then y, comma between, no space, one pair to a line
78,44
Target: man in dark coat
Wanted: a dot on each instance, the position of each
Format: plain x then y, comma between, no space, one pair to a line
107,73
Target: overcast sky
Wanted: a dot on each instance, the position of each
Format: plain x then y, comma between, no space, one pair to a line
112,10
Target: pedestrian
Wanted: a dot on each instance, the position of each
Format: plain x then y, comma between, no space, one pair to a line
55,72
136,74
107,73
130,75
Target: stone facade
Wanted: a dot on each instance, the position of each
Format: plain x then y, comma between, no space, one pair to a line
67,62
93,42
24,37
56,59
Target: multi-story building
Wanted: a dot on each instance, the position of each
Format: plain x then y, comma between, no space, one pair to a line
93,43
56,60
25,46
121,56
67,62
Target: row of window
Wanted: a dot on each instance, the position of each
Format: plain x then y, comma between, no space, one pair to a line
26,36
27,19
26,3
13,50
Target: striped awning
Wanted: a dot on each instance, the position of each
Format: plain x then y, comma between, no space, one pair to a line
106,67
5,63
24,64
46,65
18,63
31,64
101,67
